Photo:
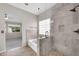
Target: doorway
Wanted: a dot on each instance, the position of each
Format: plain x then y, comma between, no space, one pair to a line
13,35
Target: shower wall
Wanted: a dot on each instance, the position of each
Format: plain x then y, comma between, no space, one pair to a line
62,37
65,23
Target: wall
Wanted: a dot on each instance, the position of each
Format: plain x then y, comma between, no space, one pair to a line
62,36
63,30
2,35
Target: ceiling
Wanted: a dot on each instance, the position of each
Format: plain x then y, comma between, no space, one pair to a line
33,7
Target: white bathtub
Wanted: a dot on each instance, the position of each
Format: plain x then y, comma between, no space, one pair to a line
33,44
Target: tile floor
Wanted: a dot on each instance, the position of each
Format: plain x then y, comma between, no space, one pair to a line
25,51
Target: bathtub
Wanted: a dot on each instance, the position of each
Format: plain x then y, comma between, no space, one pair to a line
33,44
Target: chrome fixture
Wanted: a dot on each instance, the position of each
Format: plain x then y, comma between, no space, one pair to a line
46,34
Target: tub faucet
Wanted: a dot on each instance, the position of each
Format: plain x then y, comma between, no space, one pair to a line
46,34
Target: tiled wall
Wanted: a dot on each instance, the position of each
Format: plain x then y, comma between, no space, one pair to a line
65,22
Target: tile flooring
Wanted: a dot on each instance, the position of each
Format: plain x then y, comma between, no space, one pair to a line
25,51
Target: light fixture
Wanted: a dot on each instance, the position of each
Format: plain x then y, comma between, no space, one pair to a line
74,9
6,17
26,4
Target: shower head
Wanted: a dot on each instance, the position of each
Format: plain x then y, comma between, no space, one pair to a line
74,9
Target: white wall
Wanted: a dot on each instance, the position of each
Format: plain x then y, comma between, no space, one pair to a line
2,35
14,34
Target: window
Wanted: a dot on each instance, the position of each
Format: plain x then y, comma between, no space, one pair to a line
44,26
13,28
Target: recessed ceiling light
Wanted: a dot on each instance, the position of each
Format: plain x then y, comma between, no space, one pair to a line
26,4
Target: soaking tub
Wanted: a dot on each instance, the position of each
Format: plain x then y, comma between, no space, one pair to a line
33,44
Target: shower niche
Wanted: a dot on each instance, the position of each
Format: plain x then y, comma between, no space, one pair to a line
77,31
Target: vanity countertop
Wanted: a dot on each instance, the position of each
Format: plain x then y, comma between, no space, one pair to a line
42,38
